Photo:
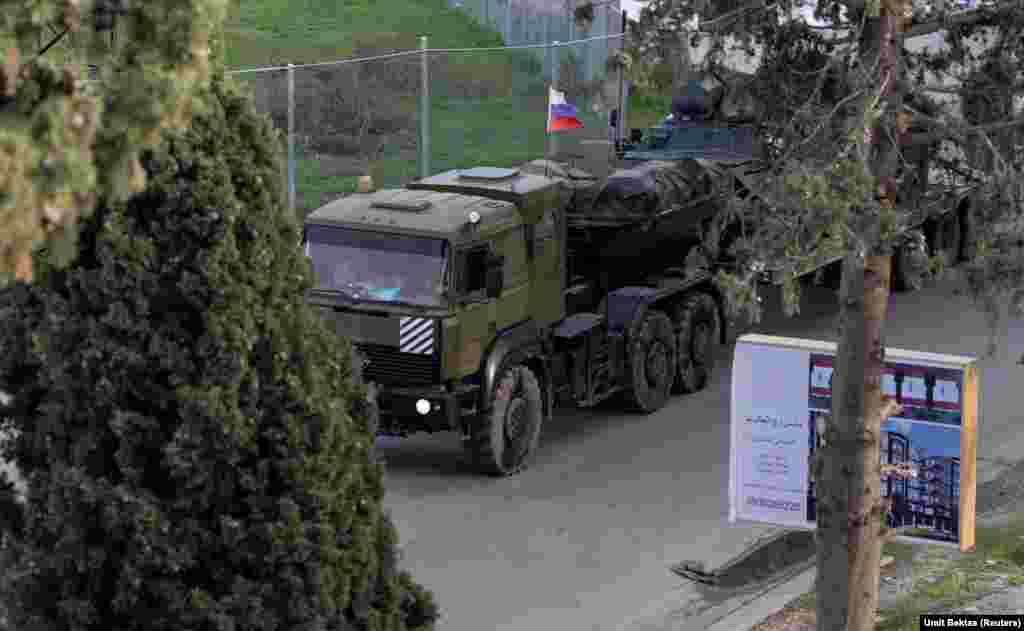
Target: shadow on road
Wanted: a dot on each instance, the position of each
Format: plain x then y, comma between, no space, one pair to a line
441,456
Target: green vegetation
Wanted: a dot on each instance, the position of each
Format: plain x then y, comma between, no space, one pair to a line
487,108
900,552
946,579
197,451
65,141
647,109
272,32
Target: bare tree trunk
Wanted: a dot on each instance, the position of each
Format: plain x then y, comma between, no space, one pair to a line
850,516
837,454
865,514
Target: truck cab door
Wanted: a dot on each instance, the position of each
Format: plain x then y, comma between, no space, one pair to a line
474,326
547,276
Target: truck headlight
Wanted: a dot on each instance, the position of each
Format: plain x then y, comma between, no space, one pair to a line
423,407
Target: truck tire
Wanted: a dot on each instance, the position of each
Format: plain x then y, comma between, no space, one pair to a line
910,263
948,235
651,361
968,232
502,440
697,332
829,276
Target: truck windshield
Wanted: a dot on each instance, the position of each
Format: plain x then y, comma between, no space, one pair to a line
379,267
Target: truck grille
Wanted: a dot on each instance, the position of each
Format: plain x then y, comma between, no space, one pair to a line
389,366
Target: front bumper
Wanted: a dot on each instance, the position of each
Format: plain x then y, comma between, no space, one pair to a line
398,416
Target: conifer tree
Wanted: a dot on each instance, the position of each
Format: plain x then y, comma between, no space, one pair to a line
187,424
65,141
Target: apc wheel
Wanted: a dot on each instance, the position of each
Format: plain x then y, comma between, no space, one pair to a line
652,360
697,334
910,263
502,440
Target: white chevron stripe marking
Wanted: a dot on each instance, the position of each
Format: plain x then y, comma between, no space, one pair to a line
416,335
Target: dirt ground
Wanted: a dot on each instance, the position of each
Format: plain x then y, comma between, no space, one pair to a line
796,619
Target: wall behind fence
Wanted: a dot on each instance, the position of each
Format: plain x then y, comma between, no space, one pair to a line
400,115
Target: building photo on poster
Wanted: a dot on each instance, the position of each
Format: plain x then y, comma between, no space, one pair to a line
919,450
926,453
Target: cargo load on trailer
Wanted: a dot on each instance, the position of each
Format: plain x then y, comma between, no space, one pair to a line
479,300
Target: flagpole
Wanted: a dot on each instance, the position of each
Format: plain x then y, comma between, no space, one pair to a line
555,71
550,60
547,135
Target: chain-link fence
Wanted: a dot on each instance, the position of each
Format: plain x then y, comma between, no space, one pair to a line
491,107
403,115
524,22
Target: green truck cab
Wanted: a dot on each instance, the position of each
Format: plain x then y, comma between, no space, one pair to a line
472,310
441,291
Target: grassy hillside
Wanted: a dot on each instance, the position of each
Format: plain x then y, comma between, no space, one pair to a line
270,32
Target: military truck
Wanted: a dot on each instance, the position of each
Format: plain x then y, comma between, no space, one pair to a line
479,300
939,222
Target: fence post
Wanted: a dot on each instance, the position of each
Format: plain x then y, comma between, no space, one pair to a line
508,22
291,138
546,37
424,110
622,79
553,138
625,106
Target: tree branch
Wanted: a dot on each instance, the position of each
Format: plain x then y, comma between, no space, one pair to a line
960,19
961,90
758,5
927,139
825,120
53,42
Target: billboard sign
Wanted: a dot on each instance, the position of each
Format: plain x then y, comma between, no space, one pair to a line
781,389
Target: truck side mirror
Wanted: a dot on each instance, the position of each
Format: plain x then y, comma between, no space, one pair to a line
494,276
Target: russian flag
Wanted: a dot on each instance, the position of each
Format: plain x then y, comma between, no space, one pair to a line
561,115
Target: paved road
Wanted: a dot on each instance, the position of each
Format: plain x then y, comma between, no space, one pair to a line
583,540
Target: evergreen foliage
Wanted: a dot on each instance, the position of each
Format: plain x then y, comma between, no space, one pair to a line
65,142
194,449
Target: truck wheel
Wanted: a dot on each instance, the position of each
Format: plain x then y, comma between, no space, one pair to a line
910,263
652,360
697,334
502,440
948,241
968,232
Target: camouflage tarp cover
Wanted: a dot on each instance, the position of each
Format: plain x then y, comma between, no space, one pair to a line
640,192
583,186
630,195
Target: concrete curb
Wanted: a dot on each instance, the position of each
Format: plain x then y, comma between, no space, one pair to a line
747,615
